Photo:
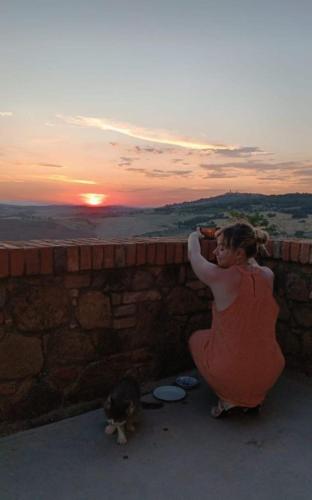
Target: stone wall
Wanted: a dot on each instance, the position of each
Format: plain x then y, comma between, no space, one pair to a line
77,315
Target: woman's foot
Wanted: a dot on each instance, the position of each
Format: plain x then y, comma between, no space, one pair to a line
223,409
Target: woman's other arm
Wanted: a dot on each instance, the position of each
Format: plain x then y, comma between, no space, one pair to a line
204,270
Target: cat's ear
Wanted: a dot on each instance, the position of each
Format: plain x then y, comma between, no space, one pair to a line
108,403
130,408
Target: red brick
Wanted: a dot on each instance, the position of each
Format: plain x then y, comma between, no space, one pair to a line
120,256
269,247
277,249
97,257
294,251
85,258
17,262
285,250
46,260
151,253
141,254
4,263
204,248
212,244
32,261
130,254
304,254
170,250
72,259
185,251
178,253
160,253
109,252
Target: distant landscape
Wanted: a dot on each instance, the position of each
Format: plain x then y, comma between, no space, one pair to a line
282,215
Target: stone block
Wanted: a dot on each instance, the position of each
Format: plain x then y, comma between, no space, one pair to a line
36,309
77,280
20,357
68,347
182,300
133,297
303,315
125,310
142,280
296,287
94,310
120,323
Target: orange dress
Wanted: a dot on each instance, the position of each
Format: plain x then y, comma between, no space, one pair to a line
239,356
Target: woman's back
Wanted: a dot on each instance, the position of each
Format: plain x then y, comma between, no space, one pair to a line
241,357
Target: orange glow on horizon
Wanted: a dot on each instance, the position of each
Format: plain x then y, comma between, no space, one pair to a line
93,199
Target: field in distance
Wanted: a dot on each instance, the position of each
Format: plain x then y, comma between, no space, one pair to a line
282,215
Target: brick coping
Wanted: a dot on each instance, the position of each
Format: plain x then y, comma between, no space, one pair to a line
43,257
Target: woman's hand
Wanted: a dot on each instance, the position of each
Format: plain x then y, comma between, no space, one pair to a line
197,233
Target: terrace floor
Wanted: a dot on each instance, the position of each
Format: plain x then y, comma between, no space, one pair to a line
179,452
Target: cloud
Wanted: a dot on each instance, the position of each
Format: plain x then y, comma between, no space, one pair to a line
53,165
252,166
158,136
6,113
63,178
241,152
133,169
158,173
139,149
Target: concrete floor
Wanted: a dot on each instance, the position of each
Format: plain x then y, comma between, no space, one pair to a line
179,452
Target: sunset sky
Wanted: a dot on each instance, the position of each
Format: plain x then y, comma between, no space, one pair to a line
152,102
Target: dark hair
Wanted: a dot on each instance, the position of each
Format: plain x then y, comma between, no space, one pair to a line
244,235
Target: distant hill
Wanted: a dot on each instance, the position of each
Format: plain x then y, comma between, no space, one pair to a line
299,204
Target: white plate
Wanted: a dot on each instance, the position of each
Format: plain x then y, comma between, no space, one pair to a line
169,393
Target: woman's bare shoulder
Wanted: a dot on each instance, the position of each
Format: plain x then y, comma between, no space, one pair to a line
267,273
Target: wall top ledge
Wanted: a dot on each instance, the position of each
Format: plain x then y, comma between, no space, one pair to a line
41,257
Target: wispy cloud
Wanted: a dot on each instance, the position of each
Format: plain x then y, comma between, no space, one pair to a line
157,136
241,152
53,165
6,113
158,173
63,178
42,178
158,151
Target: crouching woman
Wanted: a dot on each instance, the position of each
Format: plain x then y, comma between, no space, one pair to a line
239,356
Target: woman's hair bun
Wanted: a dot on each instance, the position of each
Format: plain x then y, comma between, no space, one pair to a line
262,237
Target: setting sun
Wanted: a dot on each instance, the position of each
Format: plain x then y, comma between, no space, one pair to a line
93,199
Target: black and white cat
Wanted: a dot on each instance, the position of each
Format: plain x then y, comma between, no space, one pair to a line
123,408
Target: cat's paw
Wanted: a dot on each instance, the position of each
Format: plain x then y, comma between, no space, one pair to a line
122,440
110,429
